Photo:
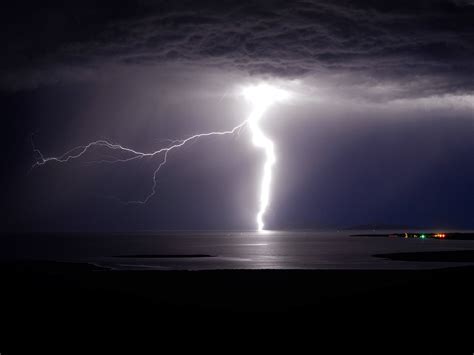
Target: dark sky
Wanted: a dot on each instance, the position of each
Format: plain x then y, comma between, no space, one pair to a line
380,131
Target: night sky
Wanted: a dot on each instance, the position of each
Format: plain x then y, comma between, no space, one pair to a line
380,130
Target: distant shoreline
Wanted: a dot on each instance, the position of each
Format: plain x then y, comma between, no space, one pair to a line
444,236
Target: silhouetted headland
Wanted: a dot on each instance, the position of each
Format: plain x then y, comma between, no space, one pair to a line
434,256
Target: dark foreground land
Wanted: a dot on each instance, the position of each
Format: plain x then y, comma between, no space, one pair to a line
49,307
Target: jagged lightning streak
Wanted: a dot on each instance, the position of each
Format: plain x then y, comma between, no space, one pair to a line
80,151
261,96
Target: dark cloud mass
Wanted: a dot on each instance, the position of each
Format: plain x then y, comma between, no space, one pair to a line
374,40
378,131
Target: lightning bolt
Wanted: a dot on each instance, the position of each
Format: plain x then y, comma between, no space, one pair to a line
261,96
261,141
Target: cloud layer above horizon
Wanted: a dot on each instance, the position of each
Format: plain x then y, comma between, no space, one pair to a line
422,47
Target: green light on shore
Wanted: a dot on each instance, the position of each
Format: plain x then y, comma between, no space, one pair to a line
422,236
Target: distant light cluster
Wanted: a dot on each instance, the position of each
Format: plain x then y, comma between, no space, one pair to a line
425,235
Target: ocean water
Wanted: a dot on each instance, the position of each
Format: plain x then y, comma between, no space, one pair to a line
226,250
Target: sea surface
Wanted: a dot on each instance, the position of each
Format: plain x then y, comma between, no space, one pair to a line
227,250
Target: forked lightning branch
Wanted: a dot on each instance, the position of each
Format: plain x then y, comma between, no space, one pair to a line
261,96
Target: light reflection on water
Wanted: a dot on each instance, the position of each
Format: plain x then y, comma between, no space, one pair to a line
231,250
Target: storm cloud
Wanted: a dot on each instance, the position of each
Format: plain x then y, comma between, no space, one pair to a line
370,42
378,130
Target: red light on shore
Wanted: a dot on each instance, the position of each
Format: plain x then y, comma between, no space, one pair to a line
440,235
